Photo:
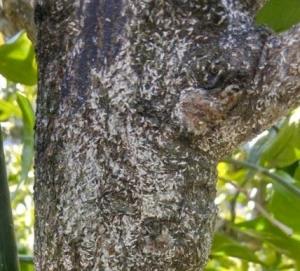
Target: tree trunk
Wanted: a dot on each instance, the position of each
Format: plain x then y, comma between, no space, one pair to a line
137,101
16,15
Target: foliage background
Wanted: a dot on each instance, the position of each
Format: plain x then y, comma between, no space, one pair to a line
258,186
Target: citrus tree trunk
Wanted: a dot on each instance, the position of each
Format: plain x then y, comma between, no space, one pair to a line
137,101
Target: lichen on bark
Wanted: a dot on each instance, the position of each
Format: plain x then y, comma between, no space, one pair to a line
137,101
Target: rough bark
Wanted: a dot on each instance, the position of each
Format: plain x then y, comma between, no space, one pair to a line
137,101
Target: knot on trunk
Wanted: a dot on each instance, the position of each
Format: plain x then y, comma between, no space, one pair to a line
200,110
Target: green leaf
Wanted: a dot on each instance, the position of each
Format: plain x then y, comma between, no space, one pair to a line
279,14
227,171
264,231
284,204
8,109
17,60
28,134
26,267
220,263
262,143
285,149
297,174
8,247
223,244
26,263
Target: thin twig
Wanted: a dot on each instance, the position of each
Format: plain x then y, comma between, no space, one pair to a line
292,188
284,228
276,223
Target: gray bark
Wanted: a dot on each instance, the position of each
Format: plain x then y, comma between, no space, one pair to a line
137,102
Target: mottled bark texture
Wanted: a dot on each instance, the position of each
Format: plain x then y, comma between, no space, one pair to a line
137,101
16,15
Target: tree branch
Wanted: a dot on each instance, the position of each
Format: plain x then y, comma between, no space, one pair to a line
224,117
276,87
